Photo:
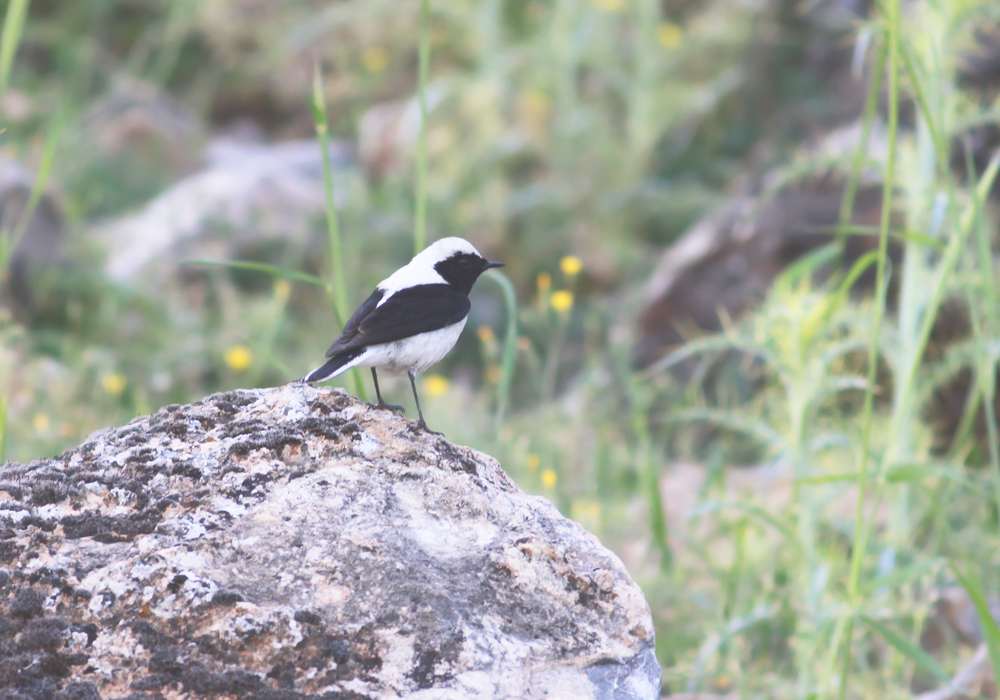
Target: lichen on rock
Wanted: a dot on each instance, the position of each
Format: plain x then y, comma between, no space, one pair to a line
296,542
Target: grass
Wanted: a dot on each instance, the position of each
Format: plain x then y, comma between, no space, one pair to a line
790,515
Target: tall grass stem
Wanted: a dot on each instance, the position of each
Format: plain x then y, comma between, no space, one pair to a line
860,541
10,38
509,356
420,212
336,261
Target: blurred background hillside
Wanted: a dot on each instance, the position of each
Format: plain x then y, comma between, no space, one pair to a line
713,214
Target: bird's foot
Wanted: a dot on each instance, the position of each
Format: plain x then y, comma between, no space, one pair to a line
421,425
391,406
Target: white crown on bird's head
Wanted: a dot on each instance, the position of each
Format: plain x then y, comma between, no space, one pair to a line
444,248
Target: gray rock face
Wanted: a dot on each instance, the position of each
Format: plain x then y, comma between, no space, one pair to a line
295,542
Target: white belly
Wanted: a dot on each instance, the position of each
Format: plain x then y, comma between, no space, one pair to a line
415,353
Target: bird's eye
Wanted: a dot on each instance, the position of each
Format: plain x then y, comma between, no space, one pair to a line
465,263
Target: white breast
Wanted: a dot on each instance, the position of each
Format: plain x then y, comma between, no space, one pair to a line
415,353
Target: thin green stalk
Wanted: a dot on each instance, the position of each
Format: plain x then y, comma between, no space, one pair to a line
867,120
861,531
3,429
9,244
550,373
333,231
649,472
509,347
420,215
10,38
984,329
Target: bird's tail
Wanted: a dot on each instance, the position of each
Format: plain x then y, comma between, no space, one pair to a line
334,366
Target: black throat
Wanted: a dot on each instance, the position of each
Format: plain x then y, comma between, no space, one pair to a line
461,270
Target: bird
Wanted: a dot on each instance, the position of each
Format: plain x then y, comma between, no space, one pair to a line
412,319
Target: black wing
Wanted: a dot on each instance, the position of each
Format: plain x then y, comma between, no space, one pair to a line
408,312
354,323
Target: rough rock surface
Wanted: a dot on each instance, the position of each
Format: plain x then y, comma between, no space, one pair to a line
296,542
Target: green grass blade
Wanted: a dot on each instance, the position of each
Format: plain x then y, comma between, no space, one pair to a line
3,429
10,38
914,653
649,470
862,526
333,231
420,214
264,268
755,512
318,106
37,188
509,356
991,632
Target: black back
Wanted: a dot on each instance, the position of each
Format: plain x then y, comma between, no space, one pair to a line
408,312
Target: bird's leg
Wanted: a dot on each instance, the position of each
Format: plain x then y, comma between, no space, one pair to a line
381,403
421,424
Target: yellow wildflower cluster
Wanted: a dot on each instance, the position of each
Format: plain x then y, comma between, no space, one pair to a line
238,358
669,35
571,265
562,300
436,385
375,59
113,383
549,478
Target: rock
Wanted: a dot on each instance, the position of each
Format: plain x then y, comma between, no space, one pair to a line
296,542
38,255
729,259
247,196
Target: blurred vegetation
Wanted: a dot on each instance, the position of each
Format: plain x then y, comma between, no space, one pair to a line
789,519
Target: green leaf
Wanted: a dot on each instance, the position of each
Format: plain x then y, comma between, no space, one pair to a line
13,26
908,649
509,346
262,267
902,473
829,478
753,511
905,575
808,264
991,633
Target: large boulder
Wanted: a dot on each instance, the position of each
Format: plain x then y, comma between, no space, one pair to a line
296,542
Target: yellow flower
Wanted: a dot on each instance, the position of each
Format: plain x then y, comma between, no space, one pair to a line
436,385
562,300
485,335
571,265
533,108
609,5
544,282
375,59
113,383
583,511
40,422
532,462
282,289
493,374
549,478
238,358
669,35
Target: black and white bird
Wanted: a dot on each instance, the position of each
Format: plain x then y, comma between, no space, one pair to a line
412,319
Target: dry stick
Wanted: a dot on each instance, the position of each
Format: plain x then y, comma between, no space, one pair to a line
967,681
